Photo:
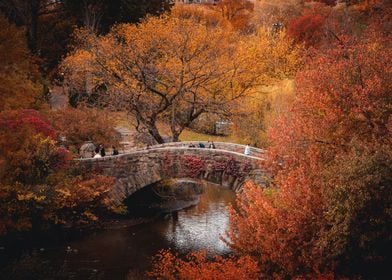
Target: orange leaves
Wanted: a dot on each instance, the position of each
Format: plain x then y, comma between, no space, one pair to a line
197,266
237,12
18,70
85,124
86,198
341,111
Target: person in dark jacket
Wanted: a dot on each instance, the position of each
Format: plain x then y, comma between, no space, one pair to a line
114,151
102,152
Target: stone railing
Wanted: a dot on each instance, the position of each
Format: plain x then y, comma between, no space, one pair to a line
233,147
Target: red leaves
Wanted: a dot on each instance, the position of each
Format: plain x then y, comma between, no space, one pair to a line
37,188
197,266
27,118
194,166
307,28
85,124
342,108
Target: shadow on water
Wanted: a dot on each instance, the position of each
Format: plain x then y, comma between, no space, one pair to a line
123,249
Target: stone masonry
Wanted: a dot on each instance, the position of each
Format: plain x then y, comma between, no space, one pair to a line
138,169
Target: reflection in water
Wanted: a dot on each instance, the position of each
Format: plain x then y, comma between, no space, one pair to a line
127,250
200,227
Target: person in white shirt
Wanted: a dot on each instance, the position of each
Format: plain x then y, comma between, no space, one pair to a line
247,150
97,155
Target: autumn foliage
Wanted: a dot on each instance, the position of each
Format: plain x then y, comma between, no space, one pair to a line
197,266
137,69
19,75
307,29
82,124
326,213
38,186
332,157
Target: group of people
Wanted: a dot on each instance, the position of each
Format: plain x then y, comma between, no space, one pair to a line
201,145
211,145
100,152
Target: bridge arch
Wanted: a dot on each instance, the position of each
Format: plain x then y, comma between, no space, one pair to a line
135,170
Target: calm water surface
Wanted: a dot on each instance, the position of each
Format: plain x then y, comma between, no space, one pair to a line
125,251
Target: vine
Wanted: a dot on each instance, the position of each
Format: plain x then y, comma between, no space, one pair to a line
194,166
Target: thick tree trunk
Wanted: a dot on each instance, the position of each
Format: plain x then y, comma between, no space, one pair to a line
152,129
176,137
33,26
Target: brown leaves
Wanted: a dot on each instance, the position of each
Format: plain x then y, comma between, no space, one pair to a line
18,69
85,124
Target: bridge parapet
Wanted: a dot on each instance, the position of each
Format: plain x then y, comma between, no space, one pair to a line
233,147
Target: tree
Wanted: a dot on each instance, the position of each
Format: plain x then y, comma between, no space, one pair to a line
237,12
331,154
359,204
27,13
101,15
201,14
308,28
177,74
19,86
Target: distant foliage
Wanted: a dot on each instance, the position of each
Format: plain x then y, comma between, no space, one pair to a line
19,75
237,12
85,124
308,29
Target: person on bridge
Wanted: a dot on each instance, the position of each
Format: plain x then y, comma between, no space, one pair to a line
114,151
247,150
103,153
191,145
97,155
212,145
201,145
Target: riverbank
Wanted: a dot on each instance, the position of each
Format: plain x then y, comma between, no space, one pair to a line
124,248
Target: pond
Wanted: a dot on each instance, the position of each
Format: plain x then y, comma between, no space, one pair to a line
124,251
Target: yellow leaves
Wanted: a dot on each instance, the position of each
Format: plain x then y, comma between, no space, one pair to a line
119,209
176,68
30,196
90,216
64,192
22,197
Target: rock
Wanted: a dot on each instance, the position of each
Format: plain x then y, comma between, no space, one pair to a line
87,149
178,188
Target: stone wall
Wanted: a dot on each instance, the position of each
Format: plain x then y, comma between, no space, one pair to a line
138,169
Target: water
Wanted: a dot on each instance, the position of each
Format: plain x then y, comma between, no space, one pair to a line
124,251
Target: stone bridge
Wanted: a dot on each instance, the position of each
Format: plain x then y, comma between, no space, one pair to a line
226,165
